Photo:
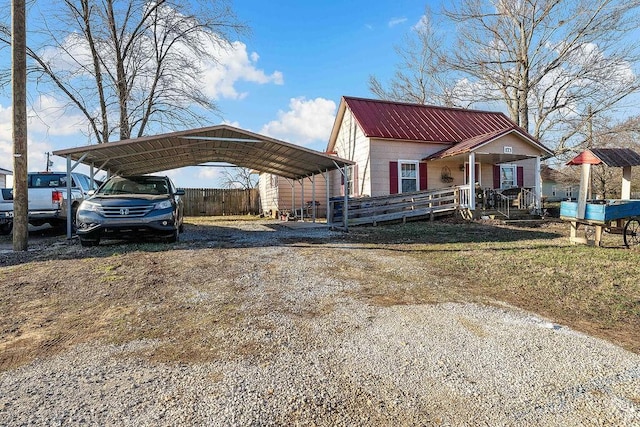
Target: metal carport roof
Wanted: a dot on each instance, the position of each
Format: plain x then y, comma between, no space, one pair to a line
221,143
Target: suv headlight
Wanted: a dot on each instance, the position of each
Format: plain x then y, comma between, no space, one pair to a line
165,204
89,206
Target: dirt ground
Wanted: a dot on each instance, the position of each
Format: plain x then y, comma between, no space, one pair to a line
58,294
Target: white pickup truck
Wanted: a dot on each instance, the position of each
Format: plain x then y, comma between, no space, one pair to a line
47,193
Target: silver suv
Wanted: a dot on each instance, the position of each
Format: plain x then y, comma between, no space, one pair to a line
131,207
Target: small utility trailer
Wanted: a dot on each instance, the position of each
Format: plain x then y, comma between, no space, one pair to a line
594,217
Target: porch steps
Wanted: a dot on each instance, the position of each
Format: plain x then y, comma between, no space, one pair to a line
516,216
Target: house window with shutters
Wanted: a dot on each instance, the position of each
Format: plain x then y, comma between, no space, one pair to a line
408,176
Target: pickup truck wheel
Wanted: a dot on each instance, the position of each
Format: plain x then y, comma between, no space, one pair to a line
89,242
6,228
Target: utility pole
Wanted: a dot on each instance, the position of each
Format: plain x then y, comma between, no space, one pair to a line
19,84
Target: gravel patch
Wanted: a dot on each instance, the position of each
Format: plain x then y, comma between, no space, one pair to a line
326,359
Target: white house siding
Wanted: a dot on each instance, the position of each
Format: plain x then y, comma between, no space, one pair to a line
268,193
383,152
277,194
352,144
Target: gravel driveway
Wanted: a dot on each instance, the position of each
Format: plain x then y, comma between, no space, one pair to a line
324,358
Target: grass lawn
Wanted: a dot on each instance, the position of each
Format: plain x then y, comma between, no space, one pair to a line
592,289
63,294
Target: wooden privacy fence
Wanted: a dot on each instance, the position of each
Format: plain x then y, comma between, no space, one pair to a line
218,201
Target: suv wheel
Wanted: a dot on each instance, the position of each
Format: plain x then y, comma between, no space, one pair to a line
89,242
173,237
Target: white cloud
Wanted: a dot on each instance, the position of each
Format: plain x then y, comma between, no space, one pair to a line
235,64
422,25
306,122
48,116
396,21
38,143
209,174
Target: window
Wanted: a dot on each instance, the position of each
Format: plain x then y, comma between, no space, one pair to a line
569,192
554,191
508,176
408,175
350,171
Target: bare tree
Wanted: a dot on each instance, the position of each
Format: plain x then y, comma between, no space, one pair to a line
129,65
420,77
239,177
553,64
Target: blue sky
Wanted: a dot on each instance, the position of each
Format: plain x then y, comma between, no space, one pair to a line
284,79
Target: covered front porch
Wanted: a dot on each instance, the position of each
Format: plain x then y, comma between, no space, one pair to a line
505,172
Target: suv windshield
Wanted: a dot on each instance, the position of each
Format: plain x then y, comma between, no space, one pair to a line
135,185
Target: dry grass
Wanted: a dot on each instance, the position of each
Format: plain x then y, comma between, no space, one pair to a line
193,299
595,290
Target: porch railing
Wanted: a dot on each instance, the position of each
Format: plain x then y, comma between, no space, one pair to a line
370,210
464,196
504,201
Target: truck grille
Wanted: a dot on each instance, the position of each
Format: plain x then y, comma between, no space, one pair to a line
125,211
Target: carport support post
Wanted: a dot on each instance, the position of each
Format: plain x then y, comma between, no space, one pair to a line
302,199
327,195
312,178
69,196
345,205
293,196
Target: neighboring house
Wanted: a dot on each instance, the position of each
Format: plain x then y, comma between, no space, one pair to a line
282,196
557,187
3,177
401,147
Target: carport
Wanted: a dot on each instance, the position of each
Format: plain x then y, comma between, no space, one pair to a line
221,143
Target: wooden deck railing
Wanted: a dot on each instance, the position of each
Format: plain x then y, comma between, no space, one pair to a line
371,210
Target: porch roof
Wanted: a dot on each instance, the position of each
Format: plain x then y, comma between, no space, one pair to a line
479,141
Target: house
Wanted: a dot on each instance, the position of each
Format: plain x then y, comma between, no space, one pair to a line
3,177
280,196
557,186
401,147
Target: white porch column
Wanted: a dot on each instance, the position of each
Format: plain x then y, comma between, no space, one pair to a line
538,186
472,181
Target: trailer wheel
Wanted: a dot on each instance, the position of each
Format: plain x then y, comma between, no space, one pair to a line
632,233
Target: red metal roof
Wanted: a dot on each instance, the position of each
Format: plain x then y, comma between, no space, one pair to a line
416,122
